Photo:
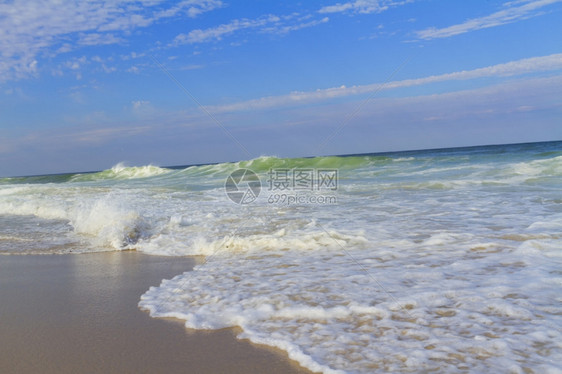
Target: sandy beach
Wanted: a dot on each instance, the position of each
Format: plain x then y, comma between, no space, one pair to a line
78,313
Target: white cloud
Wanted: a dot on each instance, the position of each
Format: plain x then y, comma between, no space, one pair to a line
192,8
140,105
290,28
142,108
338,8
76,63
216,33
132,56
362,6
265,24
513,68
108,69
514,11
192,67
29,28
99,39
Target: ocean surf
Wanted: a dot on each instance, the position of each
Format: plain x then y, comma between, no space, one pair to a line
438,260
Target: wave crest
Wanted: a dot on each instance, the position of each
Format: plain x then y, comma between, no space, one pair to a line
122,172
263,164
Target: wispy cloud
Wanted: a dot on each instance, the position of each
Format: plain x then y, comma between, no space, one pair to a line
285,29
76,65
362,6
513,68
218,32
99,39
266,24
30,29
514,11
142,108
192,8
192,67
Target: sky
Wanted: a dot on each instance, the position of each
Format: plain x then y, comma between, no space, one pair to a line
85,85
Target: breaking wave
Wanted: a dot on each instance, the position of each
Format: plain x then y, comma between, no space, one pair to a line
122,172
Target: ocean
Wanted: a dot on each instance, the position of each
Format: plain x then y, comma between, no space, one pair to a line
440,260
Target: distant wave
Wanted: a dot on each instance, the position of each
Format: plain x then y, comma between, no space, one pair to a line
121,172
263,164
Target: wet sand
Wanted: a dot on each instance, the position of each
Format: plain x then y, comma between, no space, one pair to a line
79,314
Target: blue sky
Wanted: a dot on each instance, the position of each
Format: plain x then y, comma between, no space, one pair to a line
85,85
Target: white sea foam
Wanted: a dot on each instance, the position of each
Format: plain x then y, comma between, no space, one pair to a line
104,219
439,280
337,312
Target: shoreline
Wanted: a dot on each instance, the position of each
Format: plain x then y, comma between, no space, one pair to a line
78,313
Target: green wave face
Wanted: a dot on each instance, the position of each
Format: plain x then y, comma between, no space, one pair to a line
266,163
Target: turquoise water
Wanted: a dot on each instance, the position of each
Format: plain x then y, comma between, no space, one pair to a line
438,260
